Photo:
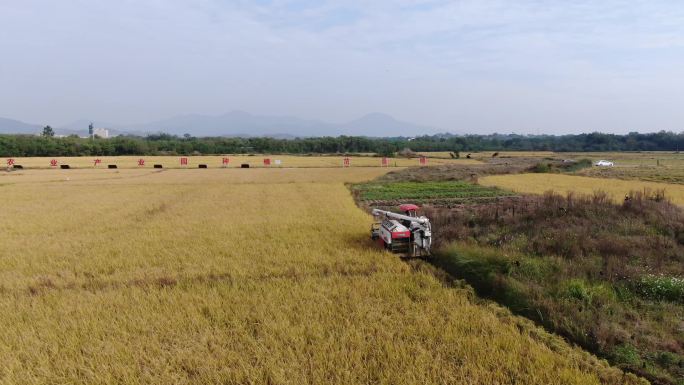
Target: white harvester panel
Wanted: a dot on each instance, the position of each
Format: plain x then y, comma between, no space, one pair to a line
391,229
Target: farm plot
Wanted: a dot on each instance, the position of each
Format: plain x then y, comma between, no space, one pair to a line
441,193
654,166
617,189
240,276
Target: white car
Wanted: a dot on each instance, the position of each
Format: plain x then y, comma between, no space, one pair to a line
604,163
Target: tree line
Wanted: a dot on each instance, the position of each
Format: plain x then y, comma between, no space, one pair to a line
164,144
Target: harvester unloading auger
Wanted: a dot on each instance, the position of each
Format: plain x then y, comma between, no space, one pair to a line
406,233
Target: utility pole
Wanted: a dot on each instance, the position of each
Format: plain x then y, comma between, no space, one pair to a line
91,130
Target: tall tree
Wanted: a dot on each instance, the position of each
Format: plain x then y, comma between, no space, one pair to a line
48,132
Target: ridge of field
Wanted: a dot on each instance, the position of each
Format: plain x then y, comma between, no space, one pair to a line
241,276
235,161
562,183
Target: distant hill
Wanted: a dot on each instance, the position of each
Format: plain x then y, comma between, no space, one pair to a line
377,124
240,123
11,126
235,123
243,124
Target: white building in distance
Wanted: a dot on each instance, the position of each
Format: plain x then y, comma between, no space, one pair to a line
101,132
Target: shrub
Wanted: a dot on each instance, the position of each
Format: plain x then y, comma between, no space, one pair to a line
626,354
579,165
658,287
541,167
577,289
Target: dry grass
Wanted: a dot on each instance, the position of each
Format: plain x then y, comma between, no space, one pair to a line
603,274
235,161
235,277
617,189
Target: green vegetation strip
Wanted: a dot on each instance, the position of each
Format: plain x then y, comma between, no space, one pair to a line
426,190
597,314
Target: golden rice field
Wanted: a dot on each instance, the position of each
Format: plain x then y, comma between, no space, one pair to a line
540,183
234,161
257,276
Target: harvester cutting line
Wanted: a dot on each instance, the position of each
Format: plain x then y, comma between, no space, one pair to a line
406,233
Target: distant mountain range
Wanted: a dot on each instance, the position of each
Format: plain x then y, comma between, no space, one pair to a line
239,123
11,126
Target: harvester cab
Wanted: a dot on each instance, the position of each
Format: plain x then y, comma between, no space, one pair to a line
406,233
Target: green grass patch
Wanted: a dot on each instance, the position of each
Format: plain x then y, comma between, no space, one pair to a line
426,190
660,288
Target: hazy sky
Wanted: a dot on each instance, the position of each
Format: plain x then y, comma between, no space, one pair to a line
476,66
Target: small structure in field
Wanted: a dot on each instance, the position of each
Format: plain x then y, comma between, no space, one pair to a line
111,166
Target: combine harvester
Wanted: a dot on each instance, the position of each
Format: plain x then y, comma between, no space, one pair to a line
406,233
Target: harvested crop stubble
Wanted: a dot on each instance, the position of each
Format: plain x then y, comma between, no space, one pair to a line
242,276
